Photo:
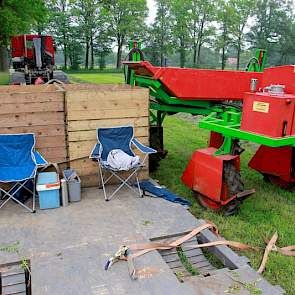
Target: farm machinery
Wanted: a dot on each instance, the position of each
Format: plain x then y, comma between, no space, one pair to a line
256,105
33,60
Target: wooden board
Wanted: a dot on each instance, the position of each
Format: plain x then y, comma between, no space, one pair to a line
91,134
94,181
38,110
80,149
31,119
100,123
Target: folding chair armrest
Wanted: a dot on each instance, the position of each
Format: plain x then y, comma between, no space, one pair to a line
144,149
95,153
40,161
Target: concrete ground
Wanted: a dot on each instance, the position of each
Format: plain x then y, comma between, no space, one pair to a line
69,246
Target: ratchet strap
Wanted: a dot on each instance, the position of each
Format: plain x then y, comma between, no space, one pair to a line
143,248
271,247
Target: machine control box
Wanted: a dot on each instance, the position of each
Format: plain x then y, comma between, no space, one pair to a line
269,113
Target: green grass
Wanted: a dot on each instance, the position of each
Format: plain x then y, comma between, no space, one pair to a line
98,78
4,78
268,210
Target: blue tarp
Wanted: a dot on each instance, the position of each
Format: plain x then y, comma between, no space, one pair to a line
148,186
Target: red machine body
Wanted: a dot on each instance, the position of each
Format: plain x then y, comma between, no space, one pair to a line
269,114
204,174
22,49
200,84
33,60
277,164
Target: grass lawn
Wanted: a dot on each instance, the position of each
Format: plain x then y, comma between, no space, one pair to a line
270,209
98,78
4,78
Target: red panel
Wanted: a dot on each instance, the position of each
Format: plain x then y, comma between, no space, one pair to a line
274,161
284,75
204,173
17,46
267,114
199,84
215,140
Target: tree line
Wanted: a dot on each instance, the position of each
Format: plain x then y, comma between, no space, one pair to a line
195,31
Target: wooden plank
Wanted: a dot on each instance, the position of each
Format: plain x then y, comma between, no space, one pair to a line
93,180
32,107
53,154
79,149
31,119
104,95
94,124
51,141
89,170
16,98
91,134
107,114
50,130
108,102
90,86
27,88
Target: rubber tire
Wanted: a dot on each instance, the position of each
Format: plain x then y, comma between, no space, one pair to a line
233,180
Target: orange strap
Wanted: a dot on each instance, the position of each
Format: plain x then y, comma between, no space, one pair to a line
148,247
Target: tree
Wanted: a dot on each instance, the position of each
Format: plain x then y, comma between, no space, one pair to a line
201,16
161,30
225,21
180,27
242,10
86,13
61,25
271,26
126,20
17,17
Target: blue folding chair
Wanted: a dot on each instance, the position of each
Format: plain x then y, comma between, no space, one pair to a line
122,138
18,167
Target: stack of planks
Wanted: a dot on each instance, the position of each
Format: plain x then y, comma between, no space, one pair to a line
91,106
38,110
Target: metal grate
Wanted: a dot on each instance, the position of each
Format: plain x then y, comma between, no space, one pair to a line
14,279
194,258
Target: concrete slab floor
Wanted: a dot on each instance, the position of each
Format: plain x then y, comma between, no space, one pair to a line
69,246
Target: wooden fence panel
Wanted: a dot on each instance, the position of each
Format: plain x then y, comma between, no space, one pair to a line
38,110
97,106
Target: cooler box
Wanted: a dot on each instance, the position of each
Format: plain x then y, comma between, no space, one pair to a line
48,185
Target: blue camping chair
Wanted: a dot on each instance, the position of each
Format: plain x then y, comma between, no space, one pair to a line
18,167
118,138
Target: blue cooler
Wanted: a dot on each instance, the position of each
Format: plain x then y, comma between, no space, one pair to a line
48,185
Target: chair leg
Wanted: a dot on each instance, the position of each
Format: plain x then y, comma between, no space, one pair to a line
102,182
138,186
34,195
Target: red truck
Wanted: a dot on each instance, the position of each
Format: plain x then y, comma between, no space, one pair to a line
33,60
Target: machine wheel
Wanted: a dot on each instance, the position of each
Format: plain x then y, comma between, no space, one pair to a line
232,184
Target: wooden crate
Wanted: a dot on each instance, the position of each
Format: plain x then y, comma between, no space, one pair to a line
91,106
37,109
